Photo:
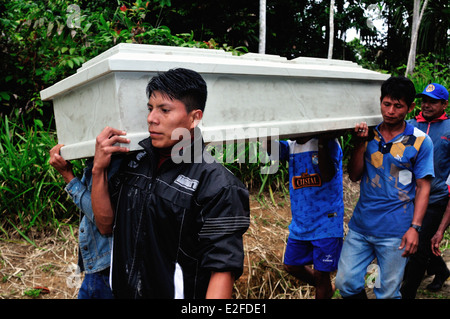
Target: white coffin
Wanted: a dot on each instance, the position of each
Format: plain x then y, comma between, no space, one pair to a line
248,96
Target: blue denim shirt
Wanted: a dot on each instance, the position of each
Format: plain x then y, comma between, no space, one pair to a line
94,248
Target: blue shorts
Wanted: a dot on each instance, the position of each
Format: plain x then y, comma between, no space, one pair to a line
323,253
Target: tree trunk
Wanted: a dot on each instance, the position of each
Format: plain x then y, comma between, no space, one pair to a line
331,35
416,19
262,27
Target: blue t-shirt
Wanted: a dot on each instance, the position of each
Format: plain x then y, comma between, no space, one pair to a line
388,185
317,206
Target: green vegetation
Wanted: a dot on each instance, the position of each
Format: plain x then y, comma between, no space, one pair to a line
428,69
42,42
30,191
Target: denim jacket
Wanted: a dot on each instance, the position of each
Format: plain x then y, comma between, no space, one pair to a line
94,253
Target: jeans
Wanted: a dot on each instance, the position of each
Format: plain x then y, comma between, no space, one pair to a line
96,286
357,254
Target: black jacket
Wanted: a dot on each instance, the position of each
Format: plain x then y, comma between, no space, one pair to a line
188,217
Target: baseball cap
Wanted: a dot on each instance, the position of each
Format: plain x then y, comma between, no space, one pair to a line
435,91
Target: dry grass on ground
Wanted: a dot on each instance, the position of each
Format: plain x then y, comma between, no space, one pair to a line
25,268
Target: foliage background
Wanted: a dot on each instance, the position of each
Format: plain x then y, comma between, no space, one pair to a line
42,42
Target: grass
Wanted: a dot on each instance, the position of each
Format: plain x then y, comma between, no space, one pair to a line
245,161
264,246
31,192
38,273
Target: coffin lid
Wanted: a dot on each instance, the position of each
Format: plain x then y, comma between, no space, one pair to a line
154,58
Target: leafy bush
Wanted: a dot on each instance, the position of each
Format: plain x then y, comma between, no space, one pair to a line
246,161
43,42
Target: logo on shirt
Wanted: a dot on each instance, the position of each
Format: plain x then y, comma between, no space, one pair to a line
328,259
186,182
306,180
315,159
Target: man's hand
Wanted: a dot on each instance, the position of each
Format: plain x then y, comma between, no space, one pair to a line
362,130
60,164
356,163
410,241
435,241
437,238
104,147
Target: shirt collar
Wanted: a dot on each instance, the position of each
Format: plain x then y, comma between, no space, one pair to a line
409,130
421,119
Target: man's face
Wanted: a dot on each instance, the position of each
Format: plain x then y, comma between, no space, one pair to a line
432,108
394,111
166,115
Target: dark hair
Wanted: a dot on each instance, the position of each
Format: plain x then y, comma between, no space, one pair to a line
181,84
399,87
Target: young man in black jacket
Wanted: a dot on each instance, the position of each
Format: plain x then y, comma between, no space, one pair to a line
177,216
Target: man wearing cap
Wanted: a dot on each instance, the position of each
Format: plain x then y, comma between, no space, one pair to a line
436,123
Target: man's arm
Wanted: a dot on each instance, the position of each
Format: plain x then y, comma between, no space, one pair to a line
220,285
101,202
326,164
60,164
356,162
437,238
410,239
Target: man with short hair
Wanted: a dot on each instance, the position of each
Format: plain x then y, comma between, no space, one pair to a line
394,163
177,226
